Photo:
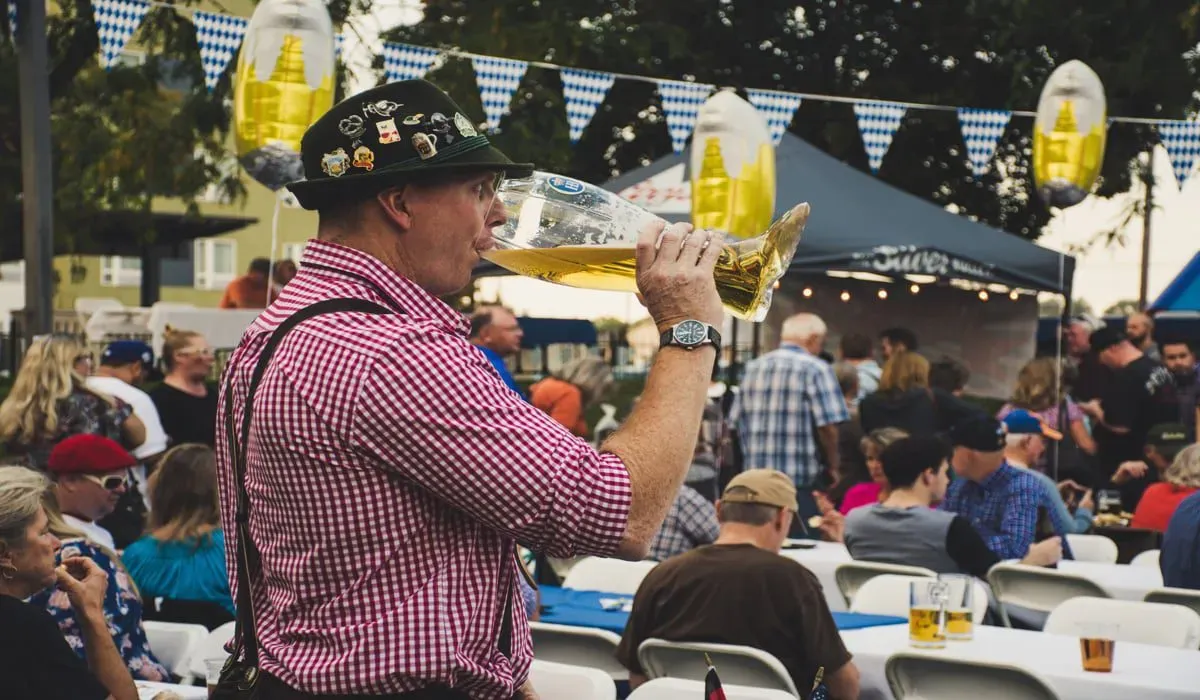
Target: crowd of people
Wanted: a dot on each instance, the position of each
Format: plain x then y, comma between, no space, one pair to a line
118,486
369,470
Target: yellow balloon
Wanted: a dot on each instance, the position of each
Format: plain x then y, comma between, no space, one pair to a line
733,168
284,83
1069,135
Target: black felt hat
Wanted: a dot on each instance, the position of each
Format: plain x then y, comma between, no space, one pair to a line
389,135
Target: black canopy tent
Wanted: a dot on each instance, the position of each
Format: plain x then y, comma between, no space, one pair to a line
860,223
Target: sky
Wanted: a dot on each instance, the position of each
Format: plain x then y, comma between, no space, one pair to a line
1104,274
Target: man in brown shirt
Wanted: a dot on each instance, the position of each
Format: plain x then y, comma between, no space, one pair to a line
740,591
250,290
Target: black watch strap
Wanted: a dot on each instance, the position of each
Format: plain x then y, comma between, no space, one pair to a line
713,338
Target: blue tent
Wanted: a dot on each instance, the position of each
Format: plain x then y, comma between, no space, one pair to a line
1183,293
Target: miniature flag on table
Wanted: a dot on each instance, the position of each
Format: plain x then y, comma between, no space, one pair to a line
712,683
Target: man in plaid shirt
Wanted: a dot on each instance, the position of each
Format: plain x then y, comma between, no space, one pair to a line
691,522
389,471
788,410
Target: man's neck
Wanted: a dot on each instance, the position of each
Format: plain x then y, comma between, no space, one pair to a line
1016,460
736,533
908,498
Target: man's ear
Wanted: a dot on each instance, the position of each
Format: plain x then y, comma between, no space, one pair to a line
396,205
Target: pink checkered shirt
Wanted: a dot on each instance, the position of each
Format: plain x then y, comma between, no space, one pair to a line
390,474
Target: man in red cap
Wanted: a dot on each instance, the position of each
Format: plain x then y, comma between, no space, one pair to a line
90,471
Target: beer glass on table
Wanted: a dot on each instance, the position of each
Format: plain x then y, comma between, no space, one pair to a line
926,614
1097,646
960,606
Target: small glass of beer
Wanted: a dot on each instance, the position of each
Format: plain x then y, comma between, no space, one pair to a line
1097,646
960,605
926,614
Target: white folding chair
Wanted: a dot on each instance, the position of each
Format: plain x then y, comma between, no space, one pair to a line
1148,559
174,643
212,647
552,680
1037,589
852,575
925,677
1176,596
739,665
888,594
577,646
608,575
1160,624
680,689
1095,548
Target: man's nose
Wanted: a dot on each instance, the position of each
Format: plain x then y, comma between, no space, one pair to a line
498,214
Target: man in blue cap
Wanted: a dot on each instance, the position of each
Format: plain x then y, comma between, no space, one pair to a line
123,365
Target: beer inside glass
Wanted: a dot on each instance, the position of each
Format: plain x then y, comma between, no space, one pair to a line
570,232
926,622
1097,646
960,599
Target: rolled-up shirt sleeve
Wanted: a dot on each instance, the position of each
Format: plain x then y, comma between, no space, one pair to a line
434,411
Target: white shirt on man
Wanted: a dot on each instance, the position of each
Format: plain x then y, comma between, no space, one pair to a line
143,408
94,533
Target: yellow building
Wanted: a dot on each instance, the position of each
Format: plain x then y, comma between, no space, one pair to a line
198,277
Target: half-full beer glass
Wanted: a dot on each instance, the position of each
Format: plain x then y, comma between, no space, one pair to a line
926,614
960,599
1097,645
566,231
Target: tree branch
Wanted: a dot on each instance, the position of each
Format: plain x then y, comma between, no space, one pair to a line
82,48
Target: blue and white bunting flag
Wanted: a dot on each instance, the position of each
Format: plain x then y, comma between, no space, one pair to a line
1182,141
219,37
12,18
583,91
777,108
981,131
405,62
497,79
116,21
681,103
877,122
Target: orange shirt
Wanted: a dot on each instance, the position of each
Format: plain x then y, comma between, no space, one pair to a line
1157,506
245,292
563,401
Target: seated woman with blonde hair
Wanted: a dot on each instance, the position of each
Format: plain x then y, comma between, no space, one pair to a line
35,659
182,559
1160,500
50,401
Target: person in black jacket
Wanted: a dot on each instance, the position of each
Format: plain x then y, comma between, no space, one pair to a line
906,401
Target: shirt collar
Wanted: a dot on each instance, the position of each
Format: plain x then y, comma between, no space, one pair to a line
414,300
794,348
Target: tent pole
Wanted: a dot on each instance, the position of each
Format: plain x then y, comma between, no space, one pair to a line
1148,178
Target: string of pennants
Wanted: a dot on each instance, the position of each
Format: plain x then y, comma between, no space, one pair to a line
220,35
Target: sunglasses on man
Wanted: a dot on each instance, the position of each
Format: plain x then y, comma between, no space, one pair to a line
111,482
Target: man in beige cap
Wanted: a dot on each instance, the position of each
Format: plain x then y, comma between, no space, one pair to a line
738,590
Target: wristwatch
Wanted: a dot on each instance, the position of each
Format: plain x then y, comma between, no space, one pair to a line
690,335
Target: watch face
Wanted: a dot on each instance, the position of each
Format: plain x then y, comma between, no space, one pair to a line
690,333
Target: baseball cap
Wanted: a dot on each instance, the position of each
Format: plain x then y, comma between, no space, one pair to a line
124,352
762,486
88,454
1104,338
1168,435
1022,422
981,433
